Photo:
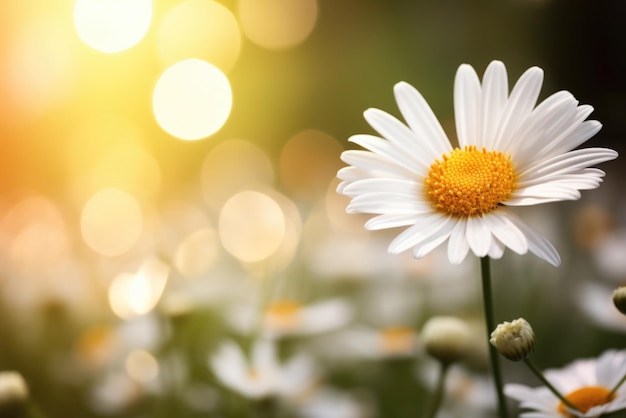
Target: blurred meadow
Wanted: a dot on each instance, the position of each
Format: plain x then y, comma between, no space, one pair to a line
143,227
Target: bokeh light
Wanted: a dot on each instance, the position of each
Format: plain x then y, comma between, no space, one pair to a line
277,24
111,222
129,168
232,166
197,253
202,29
39,69
92,143
308,162
141,366
112,25
34,235
135,294
251,226
192,99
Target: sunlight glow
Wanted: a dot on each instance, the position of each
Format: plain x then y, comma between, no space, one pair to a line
201,29
134,294
251,226
197,253
232,166
112,25
111,222
192,99
277,24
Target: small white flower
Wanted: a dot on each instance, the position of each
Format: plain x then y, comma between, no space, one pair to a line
511,153
329,402
594,300
585,383
367,343
261,375
290,317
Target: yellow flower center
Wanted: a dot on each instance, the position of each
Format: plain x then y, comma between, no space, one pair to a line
282,315
397,340
470,182
586,398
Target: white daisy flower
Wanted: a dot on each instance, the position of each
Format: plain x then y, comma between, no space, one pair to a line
367,343
587,384
262,375
289,317
511,153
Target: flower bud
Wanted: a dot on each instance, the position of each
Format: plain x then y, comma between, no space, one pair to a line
446,338
13,388
514,340
619,299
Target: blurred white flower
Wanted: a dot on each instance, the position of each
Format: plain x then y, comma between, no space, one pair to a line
510,153
368,343
595,300
290,317
586,383
329,402
468,394
608,255
261,375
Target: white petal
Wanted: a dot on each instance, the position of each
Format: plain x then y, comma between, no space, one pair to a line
376,165
387,221
389,185
229,364
394,153
457,245
478,236
494,94
519,105
325,316
421,232
387,203
496,250
594,175
442,235
542,193
550,119
263,356
568,162
467,106
537,243
421,119
574,137
505,231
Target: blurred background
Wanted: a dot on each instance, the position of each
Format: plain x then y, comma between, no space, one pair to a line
167,183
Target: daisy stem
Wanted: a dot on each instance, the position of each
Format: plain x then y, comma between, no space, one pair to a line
439,390
545,381
33,410
490,322
619,384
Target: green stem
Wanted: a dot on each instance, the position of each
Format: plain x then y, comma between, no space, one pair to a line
33,410
265,408
545,381
439,390
489,321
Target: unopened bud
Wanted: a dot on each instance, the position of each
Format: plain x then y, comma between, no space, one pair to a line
13,388
446,338
619,299
514,340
